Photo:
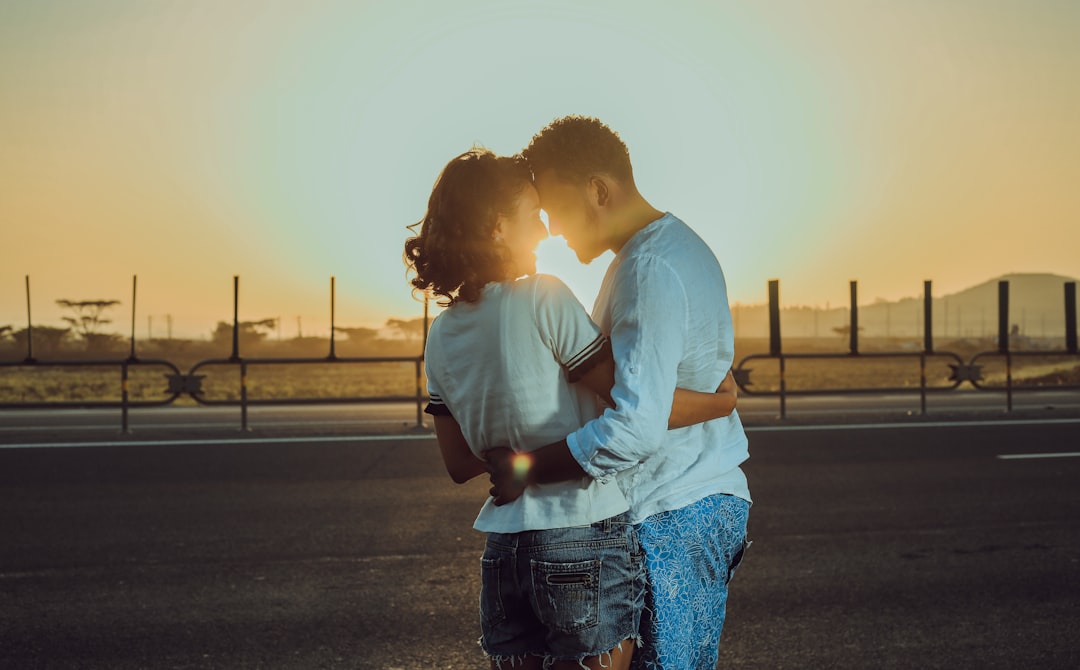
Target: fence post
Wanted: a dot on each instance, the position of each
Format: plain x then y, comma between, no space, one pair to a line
134,283
854,335
1070,317
419,395
332,354
928,339
236,318
420,370
1003,338
29,326
774,339
423,343
928,318
774,317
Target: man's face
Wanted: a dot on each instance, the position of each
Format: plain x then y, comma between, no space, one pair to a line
571,215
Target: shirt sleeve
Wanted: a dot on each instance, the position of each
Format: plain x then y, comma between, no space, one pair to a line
436,404
575,340
648,330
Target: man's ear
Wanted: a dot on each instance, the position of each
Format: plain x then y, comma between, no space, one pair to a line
599,189
496,232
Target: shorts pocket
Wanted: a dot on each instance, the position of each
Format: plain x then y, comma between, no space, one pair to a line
492,612
737,560
567,594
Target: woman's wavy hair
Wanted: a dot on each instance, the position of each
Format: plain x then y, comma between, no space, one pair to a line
454,254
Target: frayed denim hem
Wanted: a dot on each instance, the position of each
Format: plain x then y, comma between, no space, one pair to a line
605,656
635,640
502,662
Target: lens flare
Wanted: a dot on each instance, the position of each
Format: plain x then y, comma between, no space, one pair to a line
521,463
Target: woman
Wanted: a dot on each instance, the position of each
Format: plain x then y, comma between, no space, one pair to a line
515,361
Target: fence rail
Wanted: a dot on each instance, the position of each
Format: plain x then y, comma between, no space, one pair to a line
190,384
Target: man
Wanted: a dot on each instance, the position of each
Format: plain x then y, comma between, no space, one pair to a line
663,304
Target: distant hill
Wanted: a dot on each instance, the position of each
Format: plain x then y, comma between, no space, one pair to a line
1036,308
1037,293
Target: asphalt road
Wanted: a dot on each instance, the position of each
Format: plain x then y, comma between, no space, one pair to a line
65,425
900,545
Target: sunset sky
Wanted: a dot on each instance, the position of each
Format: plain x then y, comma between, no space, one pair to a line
287,142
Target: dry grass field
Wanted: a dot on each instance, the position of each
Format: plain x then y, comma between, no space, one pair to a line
221,382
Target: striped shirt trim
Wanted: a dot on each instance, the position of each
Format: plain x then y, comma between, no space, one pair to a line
598,350
436,406
437,409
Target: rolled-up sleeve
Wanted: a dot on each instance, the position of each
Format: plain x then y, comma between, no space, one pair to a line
648,330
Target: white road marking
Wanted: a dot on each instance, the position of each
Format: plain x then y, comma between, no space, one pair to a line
254,441
1060,454
223,423
750,430
913,424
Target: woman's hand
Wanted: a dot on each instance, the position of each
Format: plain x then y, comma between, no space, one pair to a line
729,386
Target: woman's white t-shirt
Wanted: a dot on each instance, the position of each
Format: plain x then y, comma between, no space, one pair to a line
503,368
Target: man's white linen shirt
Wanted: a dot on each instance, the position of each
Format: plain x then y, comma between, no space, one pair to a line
663,304
501,367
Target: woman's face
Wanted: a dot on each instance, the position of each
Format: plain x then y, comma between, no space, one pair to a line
522,230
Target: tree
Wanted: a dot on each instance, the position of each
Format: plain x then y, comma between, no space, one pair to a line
5,335
46,338
408,329
89,316
249,332
358,335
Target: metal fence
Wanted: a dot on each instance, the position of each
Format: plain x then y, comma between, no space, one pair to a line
961,371
190,383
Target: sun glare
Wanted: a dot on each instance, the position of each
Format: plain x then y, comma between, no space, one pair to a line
554,257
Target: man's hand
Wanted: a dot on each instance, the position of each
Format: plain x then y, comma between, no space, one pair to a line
508,472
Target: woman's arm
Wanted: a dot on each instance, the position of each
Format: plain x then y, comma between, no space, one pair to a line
692,407
460,461
688,407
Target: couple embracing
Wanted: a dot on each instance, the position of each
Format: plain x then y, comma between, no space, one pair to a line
618,506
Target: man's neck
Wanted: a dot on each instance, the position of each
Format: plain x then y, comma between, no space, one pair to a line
632,218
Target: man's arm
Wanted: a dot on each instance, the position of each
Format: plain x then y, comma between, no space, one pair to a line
688,407
648,330
510,474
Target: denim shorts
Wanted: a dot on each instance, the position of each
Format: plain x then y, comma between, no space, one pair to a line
563,593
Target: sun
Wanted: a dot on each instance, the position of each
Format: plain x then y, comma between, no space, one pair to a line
554,257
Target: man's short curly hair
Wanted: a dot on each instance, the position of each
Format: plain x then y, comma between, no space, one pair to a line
577,147
454,254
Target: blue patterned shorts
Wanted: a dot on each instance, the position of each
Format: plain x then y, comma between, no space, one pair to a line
690,555
563,593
